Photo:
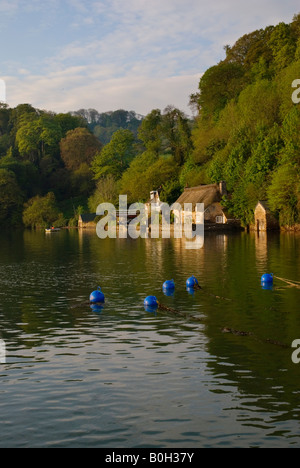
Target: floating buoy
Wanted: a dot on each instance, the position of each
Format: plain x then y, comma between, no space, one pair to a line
267,279
169,285
97,297
192,282
151,301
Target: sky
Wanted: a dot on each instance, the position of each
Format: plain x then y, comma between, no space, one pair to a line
140,55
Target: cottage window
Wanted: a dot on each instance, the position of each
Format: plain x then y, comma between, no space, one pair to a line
219,220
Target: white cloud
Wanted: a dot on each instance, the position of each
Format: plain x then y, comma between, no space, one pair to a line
137,54
73,89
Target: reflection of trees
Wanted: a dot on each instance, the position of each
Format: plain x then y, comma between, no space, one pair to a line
44,276
262,372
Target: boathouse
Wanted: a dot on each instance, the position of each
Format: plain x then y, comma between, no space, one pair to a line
264,219
211,196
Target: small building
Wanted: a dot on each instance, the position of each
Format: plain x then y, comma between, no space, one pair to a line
154,203
87,221
264,219
211,196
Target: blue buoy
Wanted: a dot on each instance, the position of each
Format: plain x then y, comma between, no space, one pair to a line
151,301
267,279
97,297
169,285
192,282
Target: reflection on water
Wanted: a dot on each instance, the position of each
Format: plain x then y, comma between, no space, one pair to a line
119,376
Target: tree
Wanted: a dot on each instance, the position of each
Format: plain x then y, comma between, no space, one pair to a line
11,199
132,182
36,138
25,172
150,131
41,212
68,122
78,147
82,181
219,85
106,192
283,194
147,173
4,118
290,135
116,156
177,132
259,104
250,48
283,45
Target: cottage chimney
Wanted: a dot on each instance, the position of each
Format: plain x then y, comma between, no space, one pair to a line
223,188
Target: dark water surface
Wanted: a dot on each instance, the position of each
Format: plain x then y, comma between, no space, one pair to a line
123,377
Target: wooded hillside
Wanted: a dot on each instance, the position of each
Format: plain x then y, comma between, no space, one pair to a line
246,132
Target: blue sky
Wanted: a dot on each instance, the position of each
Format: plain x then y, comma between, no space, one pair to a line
63,55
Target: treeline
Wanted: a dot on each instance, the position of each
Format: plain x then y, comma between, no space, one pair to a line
104,125
55,166
246,132
42,154
248,128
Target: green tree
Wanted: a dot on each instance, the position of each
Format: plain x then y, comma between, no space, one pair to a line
38,137
283,45
41,212
259,104
11,199
68,122
4,118
116,156
132,182
147,173
290,135
283,194
26,173
150,131
106,192
82,181
218,86
250,48
177,132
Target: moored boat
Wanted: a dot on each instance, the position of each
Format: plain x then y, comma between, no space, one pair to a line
53,229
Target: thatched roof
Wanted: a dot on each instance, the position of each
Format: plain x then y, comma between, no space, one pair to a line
207,194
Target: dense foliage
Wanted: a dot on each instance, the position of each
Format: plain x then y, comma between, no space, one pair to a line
54,166
247,131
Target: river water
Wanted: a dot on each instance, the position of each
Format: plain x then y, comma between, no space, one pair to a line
122,377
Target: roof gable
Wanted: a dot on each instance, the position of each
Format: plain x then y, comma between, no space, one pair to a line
263,204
